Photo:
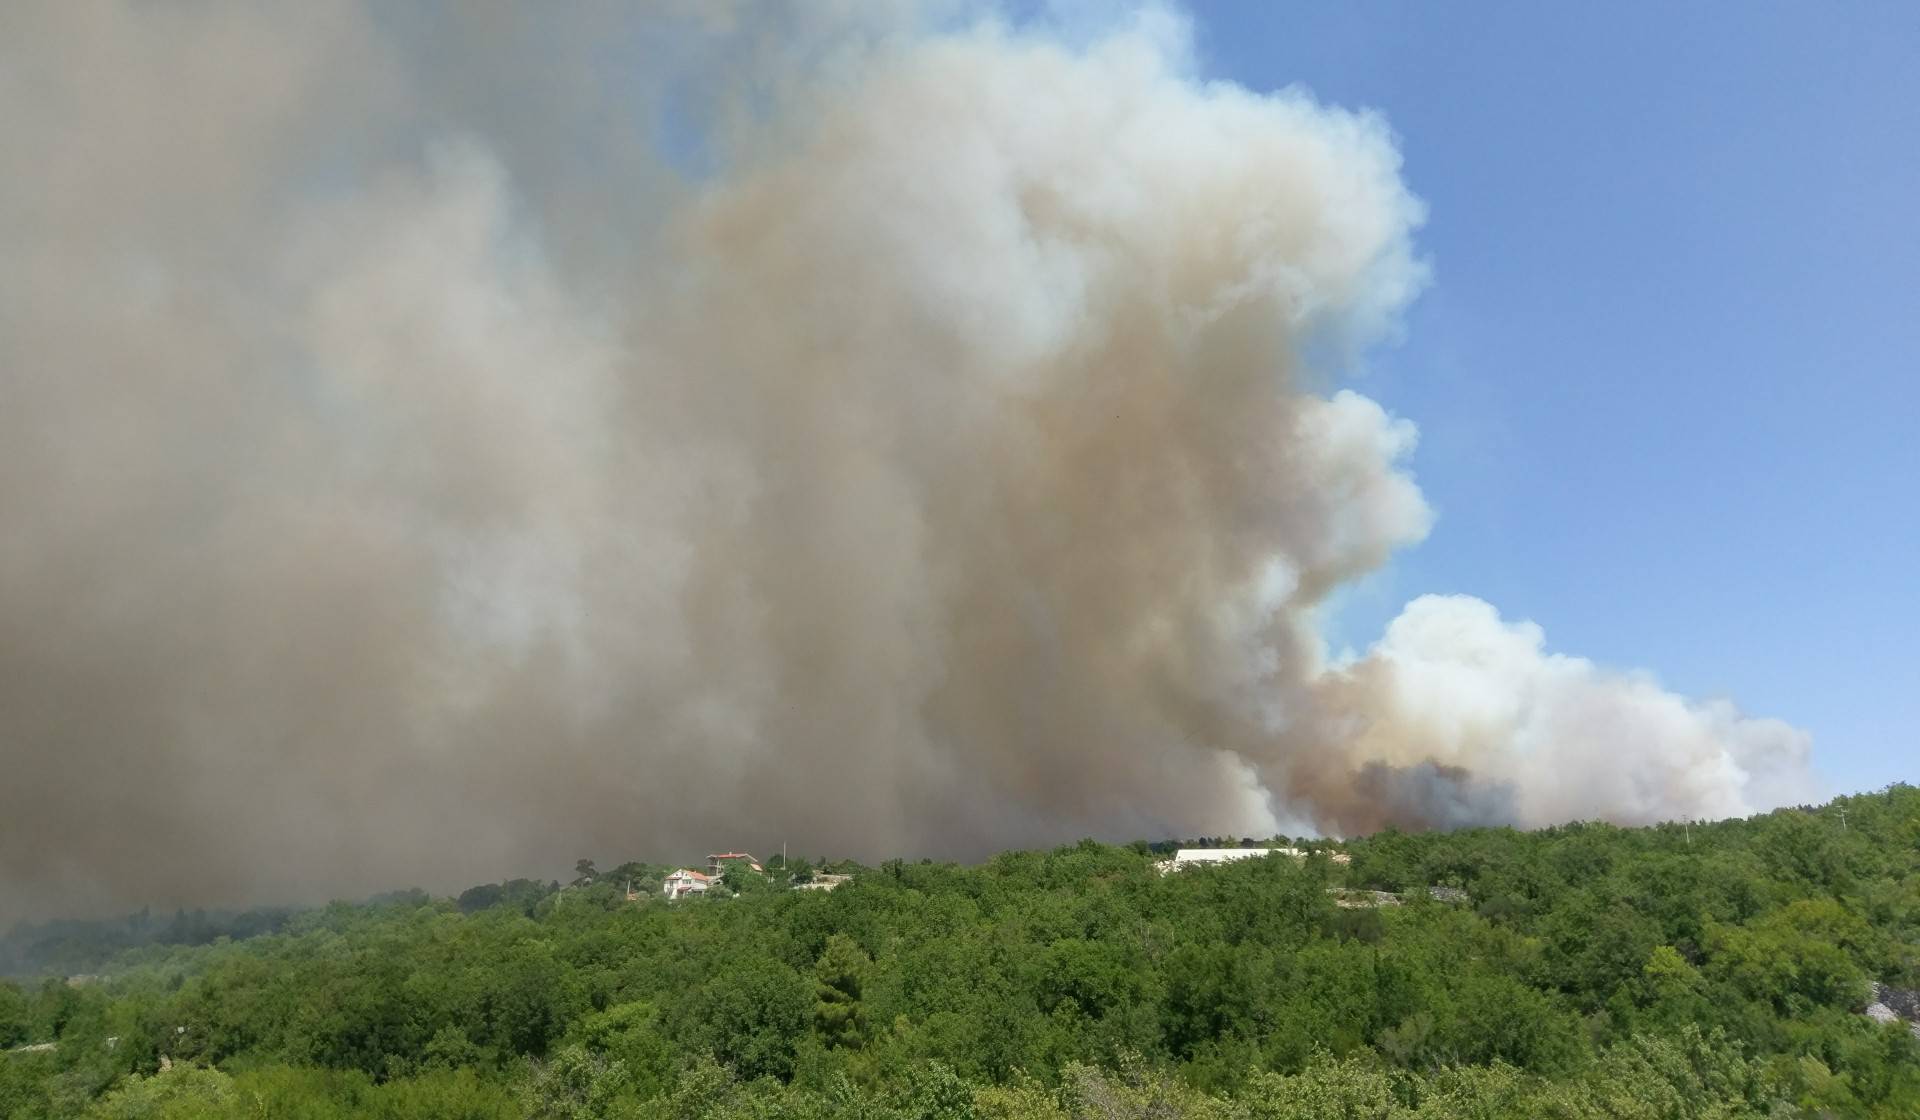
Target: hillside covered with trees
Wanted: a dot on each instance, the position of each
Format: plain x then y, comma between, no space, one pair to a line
1717,970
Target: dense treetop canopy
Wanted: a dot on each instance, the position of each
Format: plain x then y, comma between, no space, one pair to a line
1713,970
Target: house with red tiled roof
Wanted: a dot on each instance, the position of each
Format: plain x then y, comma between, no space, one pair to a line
716,863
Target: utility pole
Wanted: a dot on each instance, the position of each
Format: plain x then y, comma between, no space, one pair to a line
1687,826
1843,820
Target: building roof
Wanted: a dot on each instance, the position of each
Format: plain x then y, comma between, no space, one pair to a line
1188,856
1201,855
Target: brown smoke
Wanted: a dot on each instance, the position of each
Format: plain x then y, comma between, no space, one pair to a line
432,451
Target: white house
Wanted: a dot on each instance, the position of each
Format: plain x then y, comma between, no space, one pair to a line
821,882
684,882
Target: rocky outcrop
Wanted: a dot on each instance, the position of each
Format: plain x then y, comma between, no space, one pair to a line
1894,1005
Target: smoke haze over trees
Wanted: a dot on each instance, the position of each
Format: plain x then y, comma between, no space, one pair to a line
436,442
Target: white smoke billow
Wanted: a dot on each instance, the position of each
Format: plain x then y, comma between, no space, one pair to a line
429,451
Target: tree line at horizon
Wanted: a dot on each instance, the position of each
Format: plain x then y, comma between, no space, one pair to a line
1592,971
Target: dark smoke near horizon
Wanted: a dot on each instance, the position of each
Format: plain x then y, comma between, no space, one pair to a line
433,448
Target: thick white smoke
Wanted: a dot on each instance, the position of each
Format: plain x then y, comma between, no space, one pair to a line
430,452
1471,719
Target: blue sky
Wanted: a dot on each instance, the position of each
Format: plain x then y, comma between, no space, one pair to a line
1665,376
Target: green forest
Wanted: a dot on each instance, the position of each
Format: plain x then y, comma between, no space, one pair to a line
1714,970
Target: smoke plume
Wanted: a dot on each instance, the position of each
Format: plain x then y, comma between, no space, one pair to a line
433,447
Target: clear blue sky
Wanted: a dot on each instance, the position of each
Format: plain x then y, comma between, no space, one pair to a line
1667,376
